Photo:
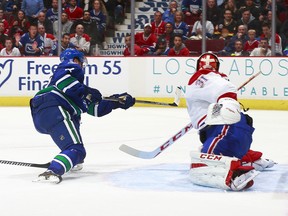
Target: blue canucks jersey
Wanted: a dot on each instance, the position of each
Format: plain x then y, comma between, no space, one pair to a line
27,43
67,86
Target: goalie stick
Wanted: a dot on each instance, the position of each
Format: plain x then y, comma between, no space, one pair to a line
152,154
17,163
175,103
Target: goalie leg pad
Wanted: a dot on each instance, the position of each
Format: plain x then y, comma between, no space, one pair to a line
220,172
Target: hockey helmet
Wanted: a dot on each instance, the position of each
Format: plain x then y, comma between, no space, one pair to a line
208,61
69,55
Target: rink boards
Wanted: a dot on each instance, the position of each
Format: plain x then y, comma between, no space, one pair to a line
149,78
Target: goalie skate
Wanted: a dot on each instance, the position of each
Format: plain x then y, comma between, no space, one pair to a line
49,177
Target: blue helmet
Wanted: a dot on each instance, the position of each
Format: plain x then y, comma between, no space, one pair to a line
69,54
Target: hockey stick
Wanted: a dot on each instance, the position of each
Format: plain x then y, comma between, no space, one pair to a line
17,163
152,154
247,81
174,104
157,151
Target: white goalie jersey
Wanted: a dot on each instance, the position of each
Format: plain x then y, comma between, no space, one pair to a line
206,87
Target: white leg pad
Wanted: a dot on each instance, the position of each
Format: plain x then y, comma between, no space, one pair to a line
218,171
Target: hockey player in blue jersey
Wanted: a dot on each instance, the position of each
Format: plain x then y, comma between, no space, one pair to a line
56,110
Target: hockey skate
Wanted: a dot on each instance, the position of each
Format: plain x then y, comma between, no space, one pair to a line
77,167
49,177
254,158
260,164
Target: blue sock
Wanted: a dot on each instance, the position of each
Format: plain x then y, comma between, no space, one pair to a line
67,159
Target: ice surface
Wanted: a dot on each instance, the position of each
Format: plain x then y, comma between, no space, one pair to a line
114,183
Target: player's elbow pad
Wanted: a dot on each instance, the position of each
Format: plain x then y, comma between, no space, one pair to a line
226,111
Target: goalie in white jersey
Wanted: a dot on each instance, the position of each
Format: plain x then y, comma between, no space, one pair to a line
226,160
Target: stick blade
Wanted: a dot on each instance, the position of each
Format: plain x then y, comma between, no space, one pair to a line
178,94
136,153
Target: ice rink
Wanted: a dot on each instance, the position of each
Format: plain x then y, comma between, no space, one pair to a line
113,183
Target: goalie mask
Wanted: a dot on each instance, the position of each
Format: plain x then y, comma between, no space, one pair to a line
208,61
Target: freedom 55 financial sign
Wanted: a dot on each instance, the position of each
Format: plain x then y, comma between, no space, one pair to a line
148,77
26,76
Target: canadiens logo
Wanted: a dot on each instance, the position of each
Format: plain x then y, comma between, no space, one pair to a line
5,71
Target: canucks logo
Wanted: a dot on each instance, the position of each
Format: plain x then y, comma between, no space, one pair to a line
5,71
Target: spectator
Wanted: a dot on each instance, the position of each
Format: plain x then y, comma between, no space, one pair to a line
158,26
20,25
161,48
32,9
191,7
4,21
239,49
3,36
241,35
179,48
90,28
73,11
52,13
213,12
224,34
285,52
263,49
48,39
169,35
47,4
269,21
115,10
284,33
252,43
231,5
227,22
146,39
31,42
179,4
196,33
9,6
168,15
65,44
45,22
250,21
81,40
180,27
266,29
66,24
220,3
9,50
138,51
99,14
252,7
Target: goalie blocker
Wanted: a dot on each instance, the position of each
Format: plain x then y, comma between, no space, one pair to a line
222,172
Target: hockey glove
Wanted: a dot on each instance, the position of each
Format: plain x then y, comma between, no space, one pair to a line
93,95
125,101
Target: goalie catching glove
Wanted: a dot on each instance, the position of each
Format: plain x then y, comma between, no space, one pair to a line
226,111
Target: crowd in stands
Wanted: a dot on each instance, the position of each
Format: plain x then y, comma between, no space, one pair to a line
30,28
244,25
